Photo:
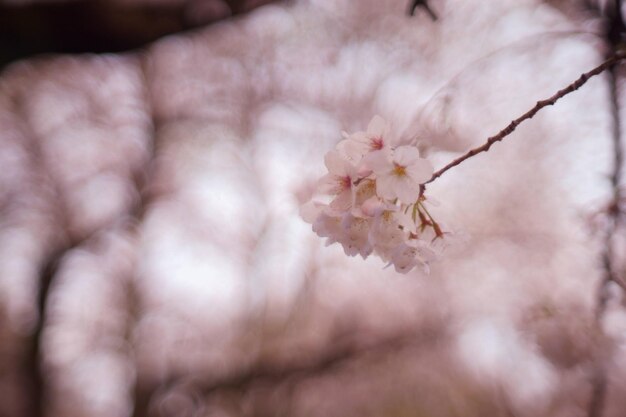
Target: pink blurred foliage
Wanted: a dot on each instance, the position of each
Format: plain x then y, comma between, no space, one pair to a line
160,191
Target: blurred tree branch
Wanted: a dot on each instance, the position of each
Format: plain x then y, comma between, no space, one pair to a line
423,4
142,391
33,364
615,36
103,26
343,350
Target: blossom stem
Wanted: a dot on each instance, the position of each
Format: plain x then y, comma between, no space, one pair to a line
432,221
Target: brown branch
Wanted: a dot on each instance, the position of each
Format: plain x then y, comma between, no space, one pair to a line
530,114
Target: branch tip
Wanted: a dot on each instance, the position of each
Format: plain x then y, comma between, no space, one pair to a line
610,62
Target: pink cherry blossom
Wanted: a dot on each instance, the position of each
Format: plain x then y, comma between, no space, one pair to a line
400,174
410,254
389,229
376,206
329,226
376,138
355,237
338,181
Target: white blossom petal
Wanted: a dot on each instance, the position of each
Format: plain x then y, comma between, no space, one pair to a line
343,201
379,162
385,187
377,126
420,171
406,189
352,150
309,211
406,155
336,163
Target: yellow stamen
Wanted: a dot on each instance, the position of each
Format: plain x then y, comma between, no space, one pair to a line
399,170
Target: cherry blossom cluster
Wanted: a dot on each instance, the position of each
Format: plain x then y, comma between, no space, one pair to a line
375,202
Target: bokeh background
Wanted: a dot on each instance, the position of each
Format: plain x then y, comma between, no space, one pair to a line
153,158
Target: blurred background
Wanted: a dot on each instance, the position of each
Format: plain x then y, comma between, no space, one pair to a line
153,158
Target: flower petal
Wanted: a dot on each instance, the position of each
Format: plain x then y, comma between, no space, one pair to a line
352,150
329,184
420,171
406,190
406,155
377,126
378,161
385,187
343,201
336,163
310,211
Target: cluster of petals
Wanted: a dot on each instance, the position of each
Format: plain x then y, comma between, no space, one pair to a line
374,202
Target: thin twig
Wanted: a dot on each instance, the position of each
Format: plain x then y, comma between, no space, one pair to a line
530,114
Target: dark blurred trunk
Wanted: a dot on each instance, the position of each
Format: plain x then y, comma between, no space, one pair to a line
103,25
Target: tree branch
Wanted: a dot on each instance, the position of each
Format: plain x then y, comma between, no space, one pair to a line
610,62
600,378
